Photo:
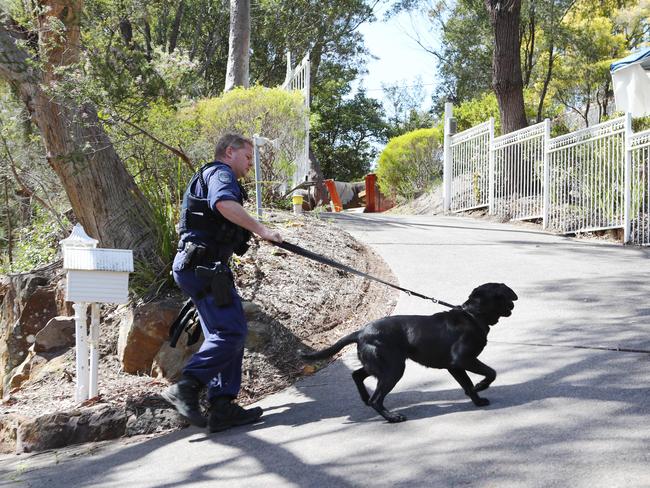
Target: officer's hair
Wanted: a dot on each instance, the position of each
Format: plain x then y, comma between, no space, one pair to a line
236,141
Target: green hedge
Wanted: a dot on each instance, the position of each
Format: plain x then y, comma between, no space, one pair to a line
195,128
410,163
270,112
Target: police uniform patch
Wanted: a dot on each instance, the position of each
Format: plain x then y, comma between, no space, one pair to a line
224,177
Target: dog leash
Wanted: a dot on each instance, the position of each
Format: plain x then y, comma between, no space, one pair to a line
334,264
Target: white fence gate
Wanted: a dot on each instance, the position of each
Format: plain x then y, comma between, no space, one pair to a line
587,175
298,78
592,179
639,156
519,172
469,169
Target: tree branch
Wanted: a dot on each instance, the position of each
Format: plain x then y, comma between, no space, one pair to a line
14,61
177,152
26,189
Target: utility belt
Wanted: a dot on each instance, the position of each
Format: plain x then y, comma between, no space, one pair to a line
209,268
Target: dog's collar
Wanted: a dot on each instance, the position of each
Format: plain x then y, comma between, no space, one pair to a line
476,320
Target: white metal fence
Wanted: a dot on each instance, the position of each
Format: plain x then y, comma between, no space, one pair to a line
592,179
519,172
298,78
586,184
470,167
639,150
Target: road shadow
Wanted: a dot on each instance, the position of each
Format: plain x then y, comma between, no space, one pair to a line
331,395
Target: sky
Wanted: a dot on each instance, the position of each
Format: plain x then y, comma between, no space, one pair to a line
400,58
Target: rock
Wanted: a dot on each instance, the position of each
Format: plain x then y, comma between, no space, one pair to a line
258,335
151,414
169,361
22,373
29,301
58,333
55,366
143,331
251,310
9,423
143,415
95,423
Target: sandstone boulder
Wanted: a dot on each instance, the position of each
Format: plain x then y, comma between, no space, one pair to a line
169,361
258,335
22,373
94,423
28,302
58,333
9,423
143,330
143,345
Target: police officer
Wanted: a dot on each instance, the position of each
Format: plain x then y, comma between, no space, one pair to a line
214,225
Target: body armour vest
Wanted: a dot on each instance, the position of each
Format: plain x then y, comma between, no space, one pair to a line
196,215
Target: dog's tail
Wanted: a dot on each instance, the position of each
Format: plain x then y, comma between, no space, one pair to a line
334,348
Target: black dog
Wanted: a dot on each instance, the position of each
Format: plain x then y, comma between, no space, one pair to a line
451,340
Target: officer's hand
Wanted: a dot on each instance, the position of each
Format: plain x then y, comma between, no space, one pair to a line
271,235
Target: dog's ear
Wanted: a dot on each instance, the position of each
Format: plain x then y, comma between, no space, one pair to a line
508,292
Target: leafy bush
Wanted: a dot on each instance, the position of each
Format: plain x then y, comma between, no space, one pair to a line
480,109
476,111
194,129
269,112
35,244
410,163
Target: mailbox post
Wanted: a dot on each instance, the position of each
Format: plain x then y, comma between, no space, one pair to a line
94,276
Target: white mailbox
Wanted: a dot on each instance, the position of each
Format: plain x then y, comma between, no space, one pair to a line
93,276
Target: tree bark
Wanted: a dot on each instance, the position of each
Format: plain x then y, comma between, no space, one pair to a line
547,81
237,73
506,63
103,195
176,26
147,40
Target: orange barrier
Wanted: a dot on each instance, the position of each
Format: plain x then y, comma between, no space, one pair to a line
371,194
334,196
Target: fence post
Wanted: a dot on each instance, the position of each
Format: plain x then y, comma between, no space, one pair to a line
446,158
257,142
628,179
491,178
81,350
307,92
546,179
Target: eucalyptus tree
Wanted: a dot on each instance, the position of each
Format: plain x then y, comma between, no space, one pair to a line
507,80
40,59
347,126
238,44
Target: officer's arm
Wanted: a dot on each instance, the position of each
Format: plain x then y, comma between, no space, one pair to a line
234,212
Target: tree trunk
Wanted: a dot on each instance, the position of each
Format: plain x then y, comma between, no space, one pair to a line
506,63
147,40
529,49
103,195
547,81
239,44
176,26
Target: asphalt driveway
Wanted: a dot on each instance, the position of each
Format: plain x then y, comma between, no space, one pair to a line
570,405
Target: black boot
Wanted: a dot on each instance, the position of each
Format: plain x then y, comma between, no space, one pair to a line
225,414
184,396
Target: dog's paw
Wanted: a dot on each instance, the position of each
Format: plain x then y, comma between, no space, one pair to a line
481,402
394,418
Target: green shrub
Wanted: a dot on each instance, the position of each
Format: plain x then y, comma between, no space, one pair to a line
410,163
36,244
480,109
476,111
195,128
269,112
